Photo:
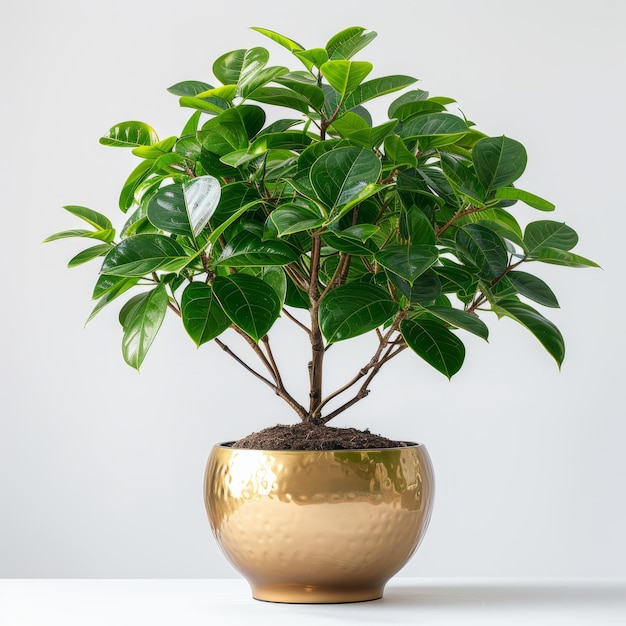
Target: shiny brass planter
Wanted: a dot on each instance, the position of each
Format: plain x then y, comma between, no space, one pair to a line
315,527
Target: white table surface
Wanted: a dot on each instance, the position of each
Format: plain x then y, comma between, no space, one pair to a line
509,602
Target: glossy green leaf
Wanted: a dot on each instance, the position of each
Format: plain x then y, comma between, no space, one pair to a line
511,193
433,125
189,88
95,219
290,44
348,124
533,287
457,279
416,228
207,106
420,107
554,256
276,278
407,261
248,250
462,179
107,289
202,195
415,95
354,309
372,137
156,149
346,37
549,234
217,232
424,291
294,218
340,176
102,235
141,319
260,79
460,319
250,303
498,220
498,161
167,210
345,44
398,153
144,254
543,329
314,57
279,96
484,249
375,88
305,88
136,178
89,254
345,76
202,315
434,343
130,135
237,66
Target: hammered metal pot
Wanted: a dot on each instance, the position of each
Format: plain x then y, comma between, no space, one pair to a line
316,527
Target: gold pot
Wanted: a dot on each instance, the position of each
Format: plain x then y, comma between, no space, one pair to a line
314,527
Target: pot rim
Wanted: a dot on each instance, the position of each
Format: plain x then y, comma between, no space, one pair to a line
410,445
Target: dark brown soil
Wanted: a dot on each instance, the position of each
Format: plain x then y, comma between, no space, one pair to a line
314,437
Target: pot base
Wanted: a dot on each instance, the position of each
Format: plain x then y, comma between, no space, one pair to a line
290,593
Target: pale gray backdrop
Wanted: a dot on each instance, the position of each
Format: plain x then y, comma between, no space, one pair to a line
101,468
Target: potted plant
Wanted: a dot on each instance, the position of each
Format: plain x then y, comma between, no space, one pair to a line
404,229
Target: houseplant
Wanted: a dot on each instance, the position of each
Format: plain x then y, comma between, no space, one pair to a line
404,229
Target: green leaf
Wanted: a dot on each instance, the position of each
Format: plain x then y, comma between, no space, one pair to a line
397,152
544,330
377,87
345,76
408,262
130,135
511,193
354,309
156,149
202,315
305,88
549,234
498,220
257,80
294,218
141,319
290,44
314,57
108,288
202,195
144,254
237,66
416,227
250,303
372,137
136,178
348,42
498,161
89,254
217,231
93,218
207,106
276,278
533,287
554,256
167,210
248,250
343,175
434,343
484,249
189,88
440,128
460,319
102,235
281,97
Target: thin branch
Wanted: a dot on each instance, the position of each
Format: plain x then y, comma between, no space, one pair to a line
377,360
241,362
296,321
256,350
471,209
363,391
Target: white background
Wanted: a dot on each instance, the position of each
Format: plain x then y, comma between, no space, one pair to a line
101,468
